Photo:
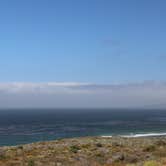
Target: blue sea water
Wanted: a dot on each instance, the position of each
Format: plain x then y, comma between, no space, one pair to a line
20,126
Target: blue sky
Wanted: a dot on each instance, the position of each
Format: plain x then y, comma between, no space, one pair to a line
98,41
82,53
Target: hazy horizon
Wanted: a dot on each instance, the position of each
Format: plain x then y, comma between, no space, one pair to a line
148,94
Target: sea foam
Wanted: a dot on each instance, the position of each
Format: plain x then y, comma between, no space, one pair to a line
137,135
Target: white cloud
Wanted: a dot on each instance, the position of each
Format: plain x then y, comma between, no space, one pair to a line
148,94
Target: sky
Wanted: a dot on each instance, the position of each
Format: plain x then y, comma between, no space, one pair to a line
99,43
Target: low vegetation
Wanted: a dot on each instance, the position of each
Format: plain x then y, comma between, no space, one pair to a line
88,151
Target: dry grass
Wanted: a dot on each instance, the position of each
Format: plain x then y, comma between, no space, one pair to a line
88,151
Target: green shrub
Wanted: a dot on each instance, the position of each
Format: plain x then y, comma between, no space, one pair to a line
151,163
2,154
99,145
74,148
149,148
86,146
20,147
31,163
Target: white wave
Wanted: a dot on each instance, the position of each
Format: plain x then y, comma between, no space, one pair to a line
144,135
137,135
106,136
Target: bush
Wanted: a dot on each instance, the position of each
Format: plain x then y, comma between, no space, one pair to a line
20,147
99,145
31,163
2,154
151,163
160,143
149,148
74,148
132,158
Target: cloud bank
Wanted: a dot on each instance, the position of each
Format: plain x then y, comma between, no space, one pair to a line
148,94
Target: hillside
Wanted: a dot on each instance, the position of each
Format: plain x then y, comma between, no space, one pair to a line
88,151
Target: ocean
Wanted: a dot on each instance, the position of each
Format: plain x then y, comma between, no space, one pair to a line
20,126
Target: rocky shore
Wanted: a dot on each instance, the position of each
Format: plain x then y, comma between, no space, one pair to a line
88,151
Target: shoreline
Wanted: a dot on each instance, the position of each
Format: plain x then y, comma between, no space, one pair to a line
147,135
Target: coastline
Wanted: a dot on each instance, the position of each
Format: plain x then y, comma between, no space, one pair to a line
97,151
